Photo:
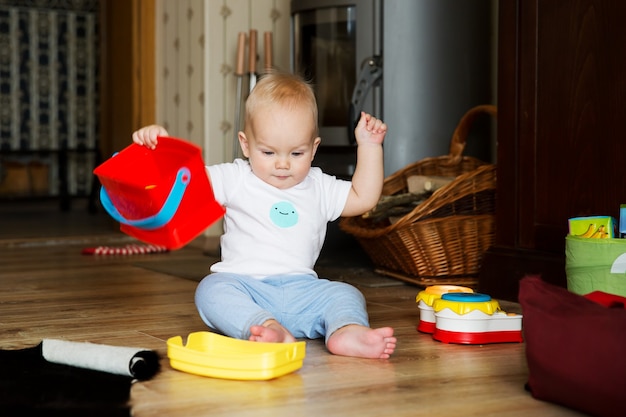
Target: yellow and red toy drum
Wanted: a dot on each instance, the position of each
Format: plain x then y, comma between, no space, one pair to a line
425,300
161,196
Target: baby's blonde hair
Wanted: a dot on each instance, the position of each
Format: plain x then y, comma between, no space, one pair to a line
284,89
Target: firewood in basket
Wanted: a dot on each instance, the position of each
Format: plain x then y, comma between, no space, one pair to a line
396,205
422,183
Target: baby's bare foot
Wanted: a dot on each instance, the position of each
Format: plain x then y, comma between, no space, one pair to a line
362,342
271,331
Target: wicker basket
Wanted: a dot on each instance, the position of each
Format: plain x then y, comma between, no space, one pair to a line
443,239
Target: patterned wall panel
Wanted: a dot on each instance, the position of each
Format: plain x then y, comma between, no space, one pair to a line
180,55
49,82
48,74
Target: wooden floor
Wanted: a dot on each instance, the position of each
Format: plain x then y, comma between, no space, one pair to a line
50,290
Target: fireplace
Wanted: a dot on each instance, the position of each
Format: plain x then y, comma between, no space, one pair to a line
437,59
327,50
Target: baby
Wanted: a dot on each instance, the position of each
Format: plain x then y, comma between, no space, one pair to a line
277,206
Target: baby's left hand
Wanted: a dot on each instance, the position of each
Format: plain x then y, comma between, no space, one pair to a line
370,130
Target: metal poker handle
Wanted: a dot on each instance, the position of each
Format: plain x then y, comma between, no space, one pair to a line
269,52
239,71
252,58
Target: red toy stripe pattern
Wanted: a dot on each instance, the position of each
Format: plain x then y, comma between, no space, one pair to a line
125,250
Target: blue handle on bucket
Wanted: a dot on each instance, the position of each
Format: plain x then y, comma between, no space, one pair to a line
164,215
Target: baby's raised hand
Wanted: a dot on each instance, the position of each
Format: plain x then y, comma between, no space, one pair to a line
370,129
147,135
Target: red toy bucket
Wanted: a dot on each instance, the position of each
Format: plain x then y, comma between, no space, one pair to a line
161,196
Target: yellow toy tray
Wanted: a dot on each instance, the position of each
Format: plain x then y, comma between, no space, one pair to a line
213,355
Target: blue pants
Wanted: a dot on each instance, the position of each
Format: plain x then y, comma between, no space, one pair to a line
307,306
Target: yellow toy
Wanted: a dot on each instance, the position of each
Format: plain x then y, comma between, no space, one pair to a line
425,300
474,319
213,355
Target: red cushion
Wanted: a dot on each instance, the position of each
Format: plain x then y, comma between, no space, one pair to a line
575,349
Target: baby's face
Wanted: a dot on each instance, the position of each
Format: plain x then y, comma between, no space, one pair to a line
280,145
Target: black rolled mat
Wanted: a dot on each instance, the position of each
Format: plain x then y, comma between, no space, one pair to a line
31,385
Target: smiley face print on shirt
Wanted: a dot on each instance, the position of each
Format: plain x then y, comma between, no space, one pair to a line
284,214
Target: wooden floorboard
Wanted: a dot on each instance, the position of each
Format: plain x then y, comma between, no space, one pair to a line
52,291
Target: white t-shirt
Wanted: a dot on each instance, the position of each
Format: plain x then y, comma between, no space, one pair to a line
269,231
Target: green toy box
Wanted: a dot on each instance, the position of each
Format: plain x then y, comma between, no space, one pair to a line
595,265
